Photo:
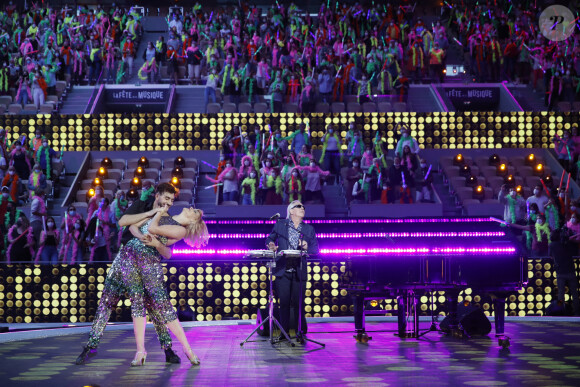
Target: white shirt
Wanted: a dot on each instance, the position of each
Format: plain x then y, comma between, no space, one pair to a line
2,167
541,201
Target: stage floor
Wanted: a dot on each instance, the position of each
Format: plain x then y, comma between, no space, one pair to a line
542,353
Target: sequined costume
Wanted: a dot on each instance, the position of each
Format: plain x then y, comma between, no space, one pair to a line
137,270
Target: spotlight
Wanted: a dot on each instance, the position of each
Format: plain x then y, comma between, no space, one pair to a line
548,181
96,182
510,181
531,159
458,160
494,160
471,181
519,190
90,194
465,170
177,172
175,182
502,169
132,194
143,162
539,169
136,183
478,192
374,303
107,163
102,173
139,172
179,162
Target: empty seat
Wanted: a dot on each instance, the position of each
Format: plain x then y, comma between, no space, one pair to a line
186,184
213,108
14,108
525,170
3,108
400,107
451,172
114,174
52,98
532,181
46,108
5,100
369,107
230,108
188,173
229,203
153,163
576,106
245,107
384,107
354,107
150,173
483,161
108,184
564,106
337,107
185,195
261,107
189,163
117,163
82,195
322,107
125,184
291,108
495,182
350,99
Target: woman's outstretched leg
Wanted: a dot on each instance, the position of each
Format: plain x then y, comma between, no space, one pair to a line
177,329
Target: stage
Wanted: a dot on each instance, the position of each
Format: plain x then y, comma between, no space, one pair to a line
543,351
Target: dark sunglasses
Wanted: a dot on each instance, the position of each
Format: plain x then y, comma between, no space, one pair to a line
299,206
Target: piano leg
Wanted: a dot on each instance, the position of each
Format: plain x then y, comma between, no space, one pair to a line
402,315
499,315
452,296
359,313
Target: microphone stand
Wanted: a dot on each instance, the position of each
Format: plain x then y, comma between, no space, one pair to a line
300,336
271,319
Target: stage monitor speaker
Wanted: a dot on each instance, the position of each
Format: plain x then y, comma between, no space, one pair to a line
472,319
261,316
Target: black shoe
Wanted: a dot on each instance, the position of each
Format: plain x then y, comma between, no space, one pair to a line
171,357
279,339
85,354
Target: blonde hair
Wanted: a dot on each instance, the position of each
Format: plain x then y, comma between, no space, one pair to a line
197,235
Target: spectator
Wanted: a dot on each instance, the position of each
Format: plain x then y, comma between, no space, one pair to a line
294,186
353,174
399,178
563,147
538,198
250,188
515,205
563,248
540,233
44,158
367,159
37,212
104,220
210,87
194,57
313,188
20,161
325,85
150,65
48,246
305,156
299,138
355,147
331,151
68,226
37,180
95,201
12,181
229,179
118,207
423,183
20,241
77,242
406,139
274,187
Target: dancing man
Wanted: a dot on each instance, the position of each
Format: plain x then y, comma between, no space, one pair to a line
140,210
291,275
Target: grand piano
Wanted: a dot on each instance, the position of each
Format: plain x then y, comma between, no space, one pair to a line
411,262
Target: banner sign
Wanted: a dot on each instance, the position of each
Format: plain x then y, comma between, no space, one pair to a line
473,98
136,96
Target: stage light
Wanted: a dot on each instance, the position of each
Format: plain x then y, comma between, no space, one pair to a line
90,194
494,160
136,183
548,181
478,192
132,194
471,181
102,173
175,182
465,170
539,169
177,172
519,190
458,160
531,159
502,170
139,172
179,162
510,181
143,162
106,163
96,182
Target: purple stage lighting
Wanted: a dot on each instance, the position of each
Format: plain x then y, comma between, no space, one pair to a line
368,251
357,221
473,234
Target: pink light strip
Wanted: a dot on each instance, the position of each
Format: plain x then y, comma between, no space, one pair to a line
364,251
357,221
376,235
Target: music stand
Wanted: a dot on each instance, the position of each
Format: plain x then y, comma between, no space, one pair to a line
271,263
300,336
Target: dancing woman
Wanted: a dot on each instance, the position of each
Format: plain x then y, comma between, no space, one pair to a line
145,280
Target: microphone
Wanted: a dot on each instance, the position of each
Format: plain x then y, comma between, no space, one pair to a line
275,216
